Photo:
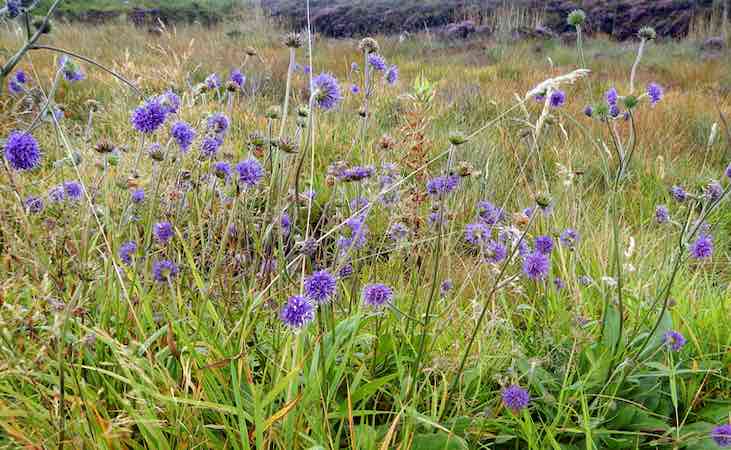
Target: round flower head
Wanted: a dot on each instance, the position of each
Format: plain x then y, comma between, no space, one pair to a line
210,145
588,111
569,238
212,81
170,102
721,435
377,295
16,82
445,287
391,75
398,232
368,45
307,70
222,170
164,270
345,271
544,244
22,151
442,185
56,194
138,196
218,123
558,282
612,96
495,252
13,7
614,111
702,247
183,135
728,171
678,193
285,223
536,266
238,78
377,62
126,251
558,98
250,172
674,340
71,71
477,233
297,312
326,91
489,213
73,190
149,116
357,173
516,398
662,214
354,89
655,93
33,205
320,287
163,232
354,66
713,191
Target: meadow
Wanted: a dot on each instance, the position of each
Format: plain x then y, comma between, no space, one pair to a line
244,237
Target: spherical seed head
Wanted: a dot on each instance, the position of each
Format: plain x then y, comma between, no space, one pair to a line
250,51
457,138
22,151
601,111
647,33
293,40
303,111
163,232
465,169
536,266
702,247
250,172
377,295
287,145
369,45
149,116
297,312
274,112
164,270
674,340
515,397
104,146
320,287
721,435
576,17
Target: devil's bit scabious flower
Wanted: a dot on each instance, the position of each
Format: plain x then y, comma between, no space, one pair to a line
713,191
250,172
536,266
588,111
612,97
476,233
218,123
33,205
585,280
377,62
495,252
71,71
655,93
443,185
164,270
557,99
398,232
210,145
56,194
22,151
163,232
702,247
558,282
16,82
138,196
222,170
662,214
297,312
678,193
285,223
516,398
170,102
569,238
13,7
320,286
728,171
357,173
326,91
238,78
489,213
674,340
212,81
183,135
377,295
126,251
73,190
721,435
544,244
445,287
354,89
149,116
391,75
345,271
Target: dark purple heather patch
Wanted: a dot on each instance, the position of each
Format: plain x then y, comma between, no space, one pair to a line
356,173
557,99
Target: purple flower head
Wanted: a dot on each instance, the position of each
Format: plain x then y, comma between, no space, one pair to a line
307,70
359,204
218,123
297,312
238,78
149,116
391,75
126,251
655,92
614,111
22,151
721,435
377,62
443,185
163,232
662,214
477,233
569,238
326,91
250,172
612,97
170,102
495,251
585,280
489,213
354,66
674,340
536,266
516,398
164,270
320,287
558,282
73,190
16,82
436,218
728,171
702,247
285,223
558,98
183,135
357,173
33,205
13,8
56,194
544,244
714,191
678,193
210,145
212,81
377,295
222,170
357,237
346,271
398,232
71,71
588,111
138,196
354,89
445,287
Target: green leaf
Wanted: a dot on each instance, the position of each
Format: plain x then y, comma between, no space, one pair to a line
438,441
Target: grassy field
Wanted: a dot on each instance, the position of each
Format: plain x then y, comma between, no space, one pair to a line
98,350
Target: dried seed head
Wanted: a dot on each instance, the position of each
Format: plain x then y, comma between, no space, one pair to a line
104,146
250,51
303,111
231,86
647,33
369,45
293,40
287,145
273,112
465,169
576,17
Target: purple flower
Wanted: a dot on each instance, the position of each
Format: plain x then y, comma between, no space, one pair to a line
674,340
536,266
678,193
238,78
13,8
612,97
326,91
33,205
354,89
489,213
163,232
728,171
558,98
307,70
126,251
377,295
56,194
721,435
212,81
183,135
585,280
558,282
477,233
149,116
356,173
544,244
443,185
250,172
377,62
22,151
613,111
391,75
285,224
297,312
445,287
702,248
662,214
164,270
320,287
354,66
222,170
495,251
138,196
345,271
210,145
655,92
218,123
71,71
714,191
15,84
569,238
357,237
170,102
398,232
515,397
73,190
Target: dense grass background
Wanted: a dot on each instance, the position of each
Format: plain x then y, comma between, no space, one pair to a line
226,374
